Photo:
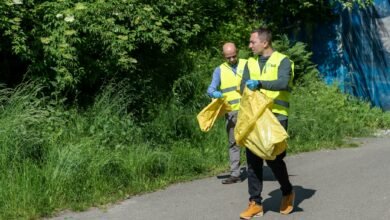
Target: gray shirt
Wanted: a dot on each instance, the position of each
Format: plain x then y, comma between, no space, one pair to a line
281,84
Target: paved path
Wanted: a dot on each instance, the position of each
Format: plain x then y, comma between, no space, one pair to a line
345,184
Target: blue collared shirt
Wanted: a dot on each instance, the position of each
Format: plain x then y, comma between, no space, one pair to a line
216,81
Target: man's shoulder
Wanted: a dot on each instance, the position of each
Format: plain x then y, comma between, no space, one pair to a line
217,69
276,53
221,65
242,62
281,55
252,58
286,60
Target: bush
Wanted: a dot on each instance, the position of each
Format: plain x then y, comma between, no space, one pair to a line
56,158
321,116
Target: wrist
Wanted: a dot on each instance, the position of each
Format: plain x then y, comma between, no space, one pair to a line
258,84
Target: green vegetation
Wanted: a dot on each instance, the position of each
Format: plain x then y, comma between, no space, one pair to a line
52,158
324,117
100,97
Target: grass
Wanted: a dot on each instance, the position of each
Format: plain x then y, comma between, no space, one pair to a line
323,117
53,158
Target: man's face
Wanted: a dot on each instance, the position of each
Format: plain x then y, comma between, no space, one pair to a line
230,56
256,44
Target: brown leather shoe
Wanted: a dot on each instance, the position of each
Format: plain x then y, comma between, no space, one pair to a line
231,179
287,204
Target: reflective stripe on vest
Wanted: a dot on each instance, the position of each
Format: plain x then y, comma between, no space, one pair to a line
230,83
233,88
269,73
235,101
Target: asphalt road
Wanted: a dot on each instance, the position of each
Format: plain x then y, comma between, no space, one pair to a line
345,184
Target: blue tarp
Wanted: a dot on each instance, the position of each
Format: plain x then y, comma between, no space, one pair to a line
354,51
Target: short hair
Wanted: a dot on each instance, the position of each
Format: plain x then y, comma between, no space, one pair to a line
264,32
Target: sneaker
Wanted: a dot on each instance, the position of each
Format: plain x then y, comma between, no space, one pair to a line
287,204
253,210
231,179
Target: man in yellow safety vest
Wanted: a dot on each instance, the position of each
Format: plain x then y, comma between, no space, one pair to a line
225,83
272,73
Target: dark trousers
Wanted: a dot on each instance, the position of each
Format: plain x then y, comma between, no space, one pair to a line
255,173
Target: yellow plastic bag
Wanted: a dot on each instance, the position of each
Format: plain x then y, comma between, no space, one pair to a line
208,115
257,127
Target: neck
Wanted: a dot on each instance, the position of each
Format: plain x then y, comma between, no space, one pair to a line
267,52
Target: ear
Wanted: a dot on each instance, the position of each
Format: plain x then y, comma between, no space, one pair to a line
266,44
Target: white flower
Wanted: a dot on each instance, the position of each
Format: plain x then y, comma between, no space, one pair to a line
69,18
59,15
80,6
17,2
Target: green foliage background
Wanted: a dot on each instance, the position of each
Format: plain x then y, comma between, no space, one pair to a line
99,98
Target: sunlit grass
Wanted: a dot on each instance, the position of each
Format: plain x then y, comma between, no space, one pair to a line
54,158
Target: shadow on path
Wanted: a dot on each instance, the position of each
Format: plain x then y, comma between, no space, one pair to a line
243,175
273,203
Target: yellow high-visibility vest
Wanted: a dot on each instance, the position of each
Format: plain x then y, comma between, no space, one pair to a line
269,73
230,83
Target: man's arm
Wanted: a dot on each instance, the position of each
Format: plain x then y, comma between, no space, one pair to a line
284,75
215,82
245,77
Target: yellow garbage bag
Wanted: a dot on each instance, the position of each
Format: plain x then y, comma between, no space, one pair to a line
208,115
257,127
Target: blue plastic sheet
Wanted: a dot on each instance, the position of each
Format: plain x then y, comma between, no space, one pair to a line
354,51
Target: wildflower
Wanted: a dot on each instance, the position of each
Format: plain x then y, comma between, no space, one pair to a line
69,18
17,2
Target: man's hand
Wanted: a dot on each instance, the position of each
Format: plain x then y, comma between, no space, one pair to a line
252,84
217,94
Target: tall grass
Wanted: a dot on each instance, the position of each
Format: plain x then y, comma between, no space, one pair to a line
323,117
52,158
